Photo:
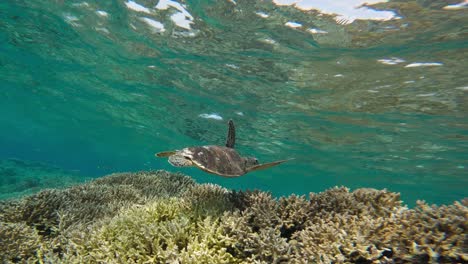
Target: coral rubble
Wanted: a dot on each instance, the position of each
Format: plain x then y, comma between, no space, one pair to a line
160,217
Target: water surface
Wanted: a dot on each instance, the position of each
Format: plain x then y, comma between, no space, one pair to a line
360,96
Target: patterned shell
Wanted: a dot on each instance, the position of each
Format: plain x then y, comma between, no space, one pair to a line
216,159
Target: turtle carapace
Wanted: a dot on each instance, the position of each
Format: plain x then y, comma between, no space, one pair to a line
221,160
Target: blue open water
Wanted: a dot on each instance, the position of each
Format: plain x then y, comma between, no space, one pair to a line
360,96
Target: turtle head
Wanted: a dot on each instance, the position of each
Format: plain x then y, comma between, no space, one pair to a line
250,162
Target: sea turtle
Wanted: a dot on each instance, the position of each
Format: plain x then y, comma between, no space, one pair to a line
221,160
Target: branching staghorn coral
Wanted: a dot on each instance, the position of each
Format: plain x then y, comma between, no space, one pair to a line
338,226
365,201
17,242
428,233
92,201
337,239
162,231
295,213
209,199
159,217
150,184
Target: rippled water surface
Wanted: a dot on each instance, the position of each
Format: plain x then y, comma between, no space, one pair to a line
361,95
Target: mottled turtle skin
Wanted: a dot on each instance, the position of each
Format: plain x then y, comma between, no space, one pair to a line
218,160
221,160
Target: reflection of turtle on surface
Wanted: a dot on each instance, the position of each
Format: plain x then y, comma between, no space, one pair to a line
220,160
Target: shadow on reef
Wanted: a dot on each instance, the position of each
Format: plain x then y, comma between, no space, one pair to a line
160,217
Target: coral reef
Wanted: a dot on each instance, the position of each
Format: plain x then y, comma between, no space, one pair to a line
161,232
19,178
159,217
92,201
18,241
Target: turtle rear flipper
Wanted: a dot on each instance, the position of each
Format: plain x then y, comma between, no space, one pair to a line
165,154
231,137
266,165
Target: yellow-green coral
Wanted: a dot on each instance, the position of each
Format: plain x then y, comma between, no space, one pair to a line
162,231
150,184
97,199
159,217
18,242
209,199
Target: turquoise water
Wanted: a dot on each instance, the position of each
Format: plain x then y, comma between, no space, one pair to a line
359,96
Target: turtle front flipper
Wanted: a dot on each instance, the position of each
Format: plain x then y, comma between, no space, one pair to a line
165,154
176,158
266,165
179,160
231,137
